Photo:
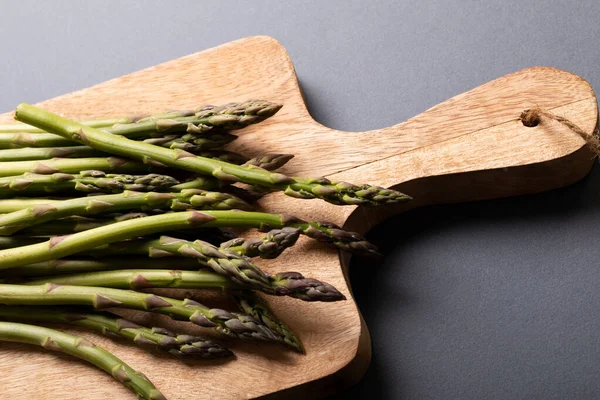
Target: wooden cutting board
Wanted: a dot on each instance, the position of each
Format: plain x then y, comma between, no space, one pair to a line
470,147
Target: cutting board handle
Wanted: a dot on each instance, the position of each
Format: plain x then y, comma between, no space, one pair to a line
474,146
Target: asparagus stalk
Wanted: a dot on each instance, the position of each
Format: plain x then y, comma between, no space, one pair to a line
72,166
62,246
159,127
269,162
235,325
321,231
17,140
96,123
138,279
230,116
43,153
63,226
227,263
233,266
112,325
200,183
67,226
83,349
128,200
336,193
249,112
73,266
71,225
128,273
193,143
59,247
292,284
86,181
269,246
10,205
252,305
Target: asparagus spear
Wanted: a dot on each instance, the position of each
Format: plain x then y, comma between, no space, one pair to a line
86,181
321,231
72,266
253,305
233,266
236,325
137,279
72,166
225,261
243,274
200,183
67,226
249,112
82,349
128,200
229,116
157,273
328,233
10,205
193,143
126,273
62,226
269,246
96,123
159,127
233,116
63,246
43,153
269,162
112,325
292,284
17,140
296,285
336,193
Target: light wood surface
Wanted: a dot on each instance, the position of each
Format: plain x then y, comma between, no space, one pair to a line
468,148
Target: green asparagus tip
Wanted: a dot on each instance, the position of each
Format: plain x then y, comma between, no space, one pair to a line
296,285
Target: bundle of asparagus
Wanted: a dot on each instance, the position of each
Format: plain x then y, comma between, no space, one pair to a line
106,237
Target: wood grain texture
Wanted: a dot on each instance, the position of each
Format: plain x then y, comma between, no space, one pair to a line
468,148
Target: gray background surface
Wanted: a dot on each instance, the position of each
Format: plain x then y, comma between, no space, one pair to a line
495,300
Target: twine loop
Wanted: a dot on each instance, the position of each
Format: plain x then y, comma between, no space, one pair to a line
535,116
